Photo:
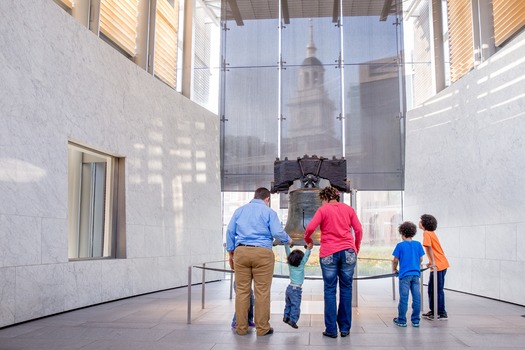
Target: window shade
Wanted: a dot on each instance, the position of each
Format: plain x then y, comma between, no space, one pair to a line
118,21
166,42
460,38
509,17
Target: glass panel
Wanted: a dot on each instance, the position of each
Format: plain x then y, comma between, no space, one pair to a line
250,128
312,90
311,87
249,103
206,60
380,213
373,103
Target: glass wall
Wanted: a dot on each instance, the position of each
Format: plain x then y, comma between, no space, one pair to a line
317,78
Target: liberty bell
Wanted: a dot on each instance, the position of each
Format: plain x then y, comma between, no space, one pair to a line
303,203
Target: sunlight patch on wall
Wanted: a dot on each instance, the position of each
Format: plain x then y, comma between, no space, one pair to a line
16,170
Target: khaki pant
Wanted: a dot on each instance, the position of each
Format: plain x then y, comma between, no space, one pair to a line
253,263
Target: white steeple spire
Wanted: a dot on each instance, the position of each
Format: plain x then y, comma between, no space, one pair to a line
310,48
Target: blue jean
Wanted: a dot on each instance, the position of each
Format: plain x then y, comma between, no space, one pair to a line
338,267
250,310
409,284
292,310
440,291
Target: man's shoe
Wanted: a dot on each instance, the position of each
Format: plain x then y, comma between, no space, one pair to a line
398,323
292,324
330,335
443,317
415,325
286,319
270,331
428,314
251,324
344,334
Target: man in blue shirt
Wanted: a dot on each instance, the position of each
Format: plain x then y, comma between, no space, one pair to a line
249,241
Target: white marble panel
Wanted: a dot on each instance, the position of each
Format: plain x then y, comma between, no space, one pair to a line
486,277
155,242
7,296
520,242
459,274
473,242
134,241
145,275
83,283
116,279
54,241
40,290
511,281
21,240
450,238
501,242
180,241
207,243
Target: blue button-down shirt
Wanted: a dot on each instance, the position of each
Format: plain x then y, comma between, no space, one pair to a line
255,224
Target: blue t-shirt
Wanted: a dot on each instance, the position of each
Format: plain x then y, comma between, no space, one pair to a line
409,254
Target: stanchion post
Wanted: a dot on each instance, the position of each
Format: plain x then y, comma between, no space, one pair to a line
393,283
231,286
421,287
189,295
354,287
203,284
434,269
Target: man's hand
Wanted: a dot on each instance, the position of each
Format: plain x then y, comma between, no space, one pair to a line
231,260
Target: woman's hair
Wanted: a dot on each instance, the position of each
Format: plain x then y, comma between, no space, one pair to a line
295,257
429,222
408,229
328,193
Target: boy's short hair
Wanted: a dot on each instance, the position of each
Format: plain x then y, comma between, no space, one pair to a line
429,222
408,229
295,257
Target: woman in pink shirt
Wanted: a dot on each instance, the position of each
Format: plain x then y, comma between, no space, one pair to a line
338,256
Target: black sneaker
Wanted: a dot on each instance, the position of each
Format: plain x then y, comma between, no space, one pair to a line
286,319
329,335
292,324
443,317
428,314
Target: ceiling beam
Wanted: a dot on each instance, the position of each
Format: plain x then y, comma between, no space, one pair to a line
335,13
236,12
386,10
286,12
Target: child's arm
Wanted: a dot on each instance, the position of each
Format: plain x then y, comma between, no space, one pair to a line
287,249
395,262
430,255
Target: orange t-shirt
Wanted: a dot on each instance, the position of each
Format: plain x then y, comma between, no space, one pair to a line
431,240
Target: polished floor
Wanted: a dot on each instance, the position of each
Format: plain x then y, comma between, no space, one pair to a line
159,321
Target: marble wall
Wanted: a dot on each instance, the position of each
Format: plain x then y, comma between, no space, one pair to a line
59,83
465,164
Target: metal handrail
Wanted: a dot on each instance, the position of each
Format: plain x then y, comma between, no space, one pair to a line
204,268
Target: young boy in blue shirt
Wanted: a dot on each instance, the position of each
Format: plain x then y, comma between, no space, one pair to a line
409,255
296,261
